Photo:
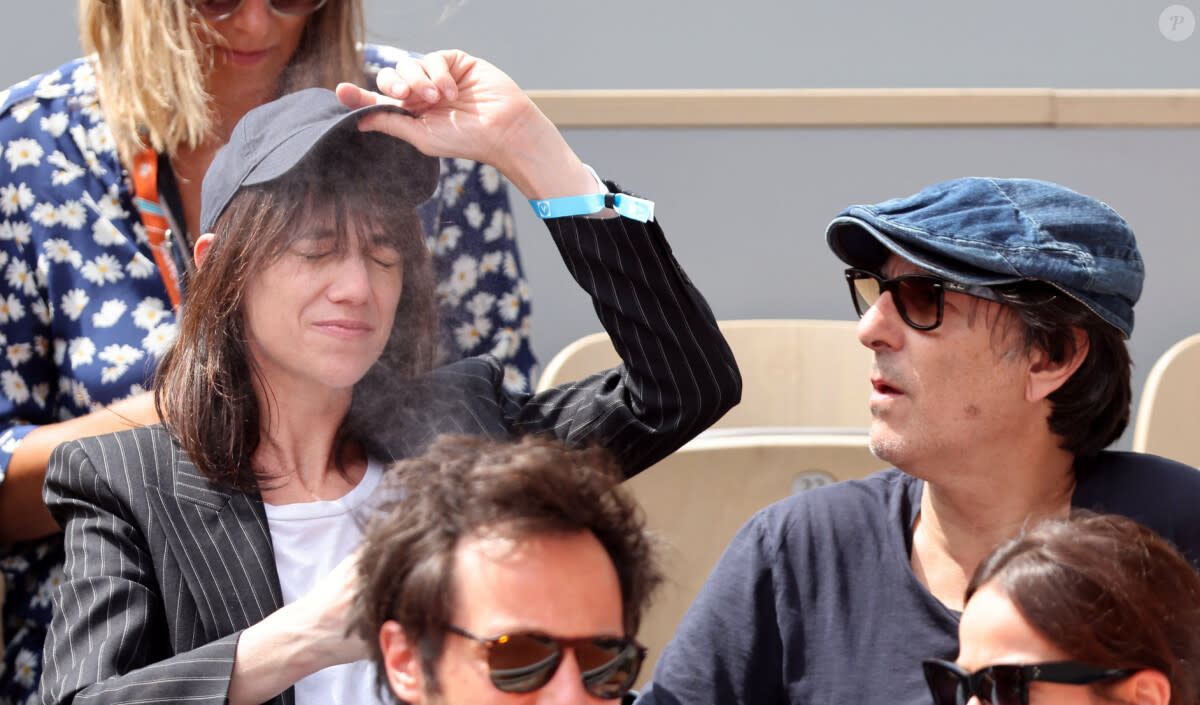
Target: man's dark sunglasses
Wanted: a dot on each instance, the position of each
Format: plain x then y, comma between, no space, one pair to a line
214,10
522,662
919,298
1005,684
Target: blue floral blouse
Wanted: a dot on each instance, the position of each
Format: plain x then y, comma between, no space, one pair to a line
84,315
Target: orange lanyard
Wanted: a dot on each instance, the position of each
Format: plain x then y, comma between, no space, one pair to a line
154,218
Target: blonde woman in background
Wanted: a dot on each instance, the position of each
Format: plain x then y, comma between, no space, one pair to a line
99,204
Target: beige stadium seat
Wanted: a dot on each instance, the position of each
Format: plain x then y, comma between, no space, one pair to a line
1168,418
795,372
698,497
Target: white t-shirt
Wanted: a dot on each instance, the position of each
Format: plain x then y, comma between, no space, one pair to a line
310,539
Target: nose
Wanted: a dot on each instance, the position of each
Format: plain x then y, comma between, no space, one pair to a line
351,279
881,327
566,687
253,17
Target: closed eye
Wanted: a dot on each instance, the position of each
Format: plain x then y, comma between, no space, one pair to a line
315,247
386,256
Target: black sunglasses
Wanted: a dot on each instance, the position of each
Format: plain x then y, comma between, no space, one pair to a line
919,298
213,10
1005,684
522,662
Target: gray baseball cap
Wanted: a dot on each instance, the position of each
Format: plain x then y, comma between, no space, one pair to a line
273,138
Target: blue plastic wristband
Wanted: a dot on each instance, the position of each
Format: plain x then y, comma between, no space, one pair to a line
631,207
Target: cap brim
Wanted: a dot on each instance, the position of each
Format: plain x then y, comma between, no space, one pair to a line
860,244
293,148
290,149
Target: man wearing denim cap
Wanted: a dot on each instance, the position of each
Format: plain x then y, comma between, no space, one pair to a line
997,311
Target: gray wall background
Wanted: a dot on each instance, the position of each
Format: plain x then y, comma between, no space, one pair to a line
746,208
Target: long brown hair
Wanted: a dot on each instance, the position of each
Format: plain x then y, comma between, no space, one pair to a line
204,387
152,59
1108,592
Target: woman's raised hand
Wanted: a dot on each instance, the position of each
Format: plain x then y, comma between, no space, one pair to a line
299,639
465,107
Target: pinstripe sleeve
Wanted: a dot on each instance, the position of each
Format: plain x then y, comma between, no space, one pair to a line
678,375
109,634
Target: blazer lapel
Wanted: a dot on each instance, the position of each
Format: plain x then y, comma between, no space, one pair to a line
220,540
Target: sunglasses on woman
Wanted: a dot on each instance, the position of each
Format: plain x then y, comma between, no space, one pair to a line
213,10
919,298
1006,684
522,662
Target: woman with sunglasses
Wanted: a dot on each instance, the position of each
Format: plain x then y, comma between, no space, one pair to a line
1094,609
103,157
210,558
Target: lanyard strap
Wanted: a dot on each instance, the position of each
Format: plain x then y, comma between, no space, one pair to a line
154,219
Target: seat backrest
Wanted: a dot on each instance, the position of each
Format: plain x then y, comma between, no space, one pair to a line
698,497
1168,423
795,372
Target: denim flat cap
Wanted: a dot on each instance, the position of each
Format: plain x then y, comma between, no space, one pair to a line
273,138
986,232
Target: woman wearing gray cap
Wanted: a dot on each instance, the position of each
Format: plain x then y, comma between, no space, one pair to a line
100,204
210,558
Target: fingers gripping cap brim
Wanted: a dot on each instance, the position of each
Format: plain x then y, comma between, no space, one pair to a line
273,139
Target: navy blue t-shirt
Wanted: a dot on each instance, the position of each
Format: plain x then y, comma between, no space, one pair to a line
815,601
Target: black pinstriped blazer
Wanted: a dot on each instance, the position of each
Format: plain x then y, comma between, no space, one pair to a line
164,569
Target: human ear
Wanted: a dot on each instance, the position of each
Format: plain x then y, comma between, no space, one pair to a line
401,661
1047,375
201,249
1146,687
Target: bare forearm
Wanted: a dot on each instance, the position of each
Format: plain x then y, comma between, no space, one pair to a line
298,639
293,642
539,162
268,661
23,515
